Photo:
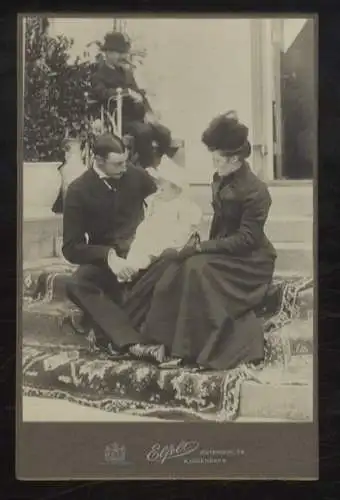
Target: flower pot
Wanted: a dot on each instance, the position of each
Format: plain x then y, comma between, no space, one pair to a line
41,185
73,166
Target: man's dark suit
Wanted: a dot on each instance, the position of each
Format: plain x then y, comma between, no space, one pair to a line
104,84
96,219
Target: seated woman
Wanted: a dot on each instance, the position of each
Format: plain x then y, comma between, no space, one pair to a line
202,308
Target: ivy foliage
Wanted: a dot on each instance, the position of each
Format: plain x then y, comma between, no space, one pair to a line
54,91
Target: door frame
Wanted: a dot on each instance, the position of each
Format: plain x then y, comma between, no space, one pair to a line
277,39
266,46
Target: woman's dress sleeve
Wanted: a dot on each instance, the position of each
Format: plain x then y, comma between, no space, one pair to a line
250,233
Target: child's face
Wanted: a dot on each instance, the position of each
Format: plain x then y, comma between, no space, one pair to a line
167,190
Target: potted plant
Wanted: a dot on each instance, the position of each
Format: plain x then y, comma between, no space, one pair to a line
43,127
54,110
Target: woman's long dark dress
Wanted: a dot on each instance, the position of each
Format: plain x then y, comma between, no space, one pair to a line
202,309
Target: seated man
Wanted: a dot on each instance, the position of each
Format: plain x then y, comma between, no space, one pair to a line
138,120
103,208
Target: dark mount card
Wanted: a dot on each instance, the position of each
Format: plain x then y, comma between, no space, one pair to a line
167,313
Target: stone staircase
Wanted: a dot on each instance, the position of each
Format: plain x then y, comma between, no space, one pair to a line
281,392
284,392
290,227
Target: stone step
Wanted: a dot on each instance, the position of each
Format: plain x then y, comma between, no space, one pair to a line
37,409
290,221
278,229
282,395
39,235
259,402
60,272
294,257
278,393
42,238
290,229
300,333
41,319
53,275
49,322
289,199
292,198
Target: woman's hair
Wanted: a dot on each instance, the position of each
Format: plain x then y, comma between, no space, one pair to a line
106,144
245,151
226,134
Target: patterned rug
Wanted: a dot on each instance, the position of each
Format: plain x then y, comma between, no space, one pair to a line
72,373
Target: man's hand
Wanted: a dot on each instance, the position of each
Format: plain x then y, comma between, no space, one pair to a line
127,273
136,96
150,118
120,267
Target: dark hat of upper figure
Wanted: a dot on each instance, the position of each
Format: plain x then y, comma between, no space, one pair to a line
226,134
115,42
106,143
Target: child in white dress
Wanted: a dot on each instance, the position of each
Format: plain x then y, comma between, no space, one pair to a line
171,218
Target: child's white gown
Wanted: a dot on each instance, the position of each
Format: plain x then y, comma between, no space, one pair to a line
167,224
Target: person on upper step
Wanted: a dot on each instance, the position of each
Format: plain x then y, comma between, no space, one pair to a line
137,117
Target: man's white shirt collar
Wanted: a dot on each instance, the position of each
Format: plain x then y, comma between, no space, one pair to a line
100,173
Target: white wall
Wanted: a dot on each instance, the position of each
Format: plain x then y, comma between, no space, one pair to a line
198,68
195,69
82,30
291,29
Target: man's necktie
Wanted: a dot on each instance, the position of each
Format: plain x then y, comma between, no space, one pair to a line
111,183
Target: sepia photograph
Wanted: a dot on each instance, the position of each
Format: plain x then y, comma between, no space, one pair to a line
168,171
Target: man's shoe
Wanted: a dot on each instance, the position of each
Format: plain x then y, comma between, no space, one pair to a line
148,352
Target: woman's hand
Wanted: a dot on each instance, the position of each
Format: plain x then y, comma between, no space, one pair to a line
187,252
208,246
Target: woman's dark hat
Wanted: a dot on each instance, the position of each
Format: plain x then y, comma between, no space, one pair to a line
225,133
115,42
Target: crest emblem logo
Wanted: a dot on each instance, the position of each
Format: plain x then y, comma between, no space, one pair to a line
114,453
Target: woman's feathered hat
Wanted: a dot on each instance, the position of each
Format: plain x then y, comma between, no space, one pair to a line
225,133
